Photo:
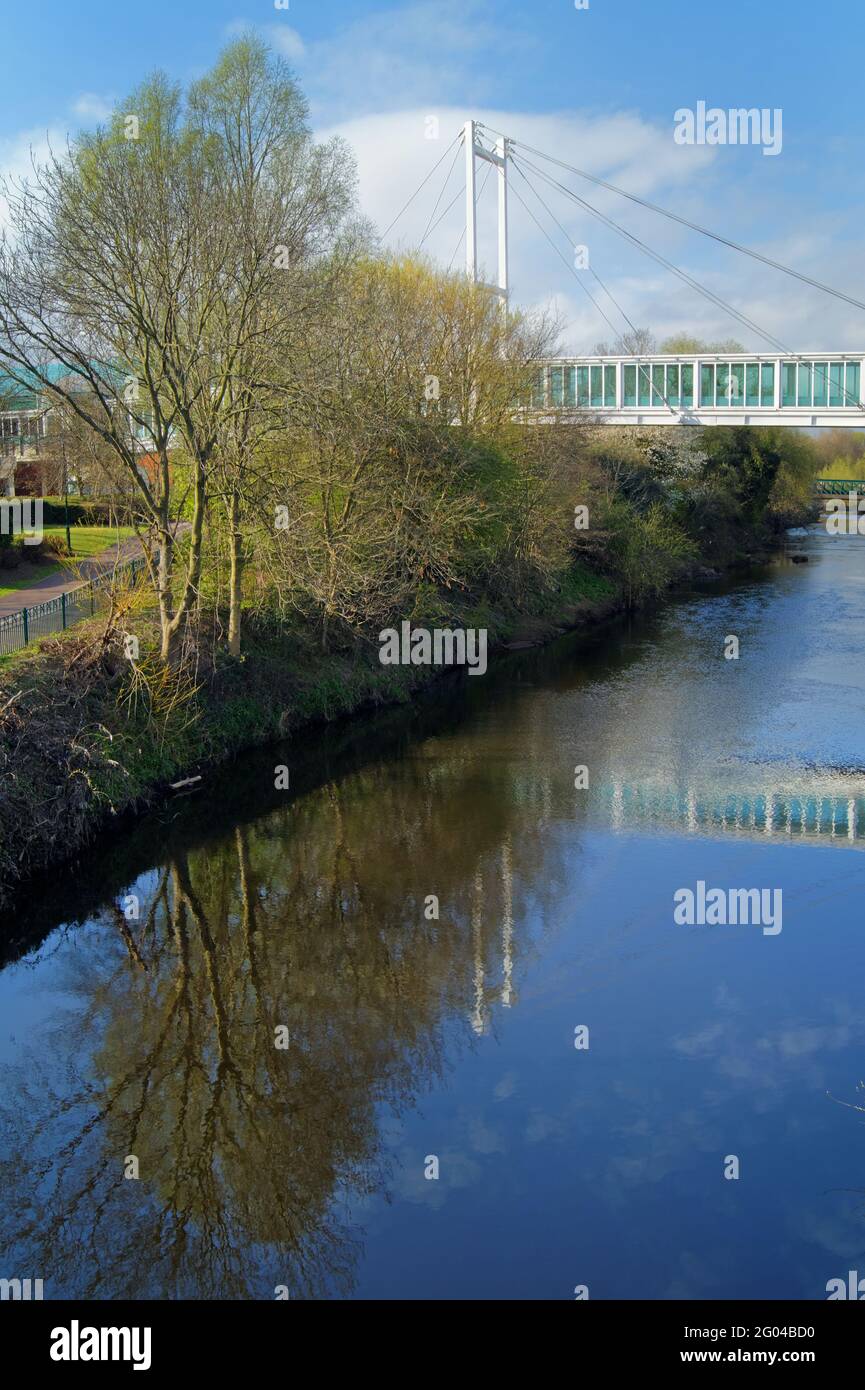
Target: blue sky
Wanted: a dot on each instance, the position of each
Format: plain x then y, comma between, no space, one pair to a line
597,87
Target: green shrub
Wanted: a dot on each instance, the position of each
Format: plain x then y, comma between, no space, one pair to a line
646,552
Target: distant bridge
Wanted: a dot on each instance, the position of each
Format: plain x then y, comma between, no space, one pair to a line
703,389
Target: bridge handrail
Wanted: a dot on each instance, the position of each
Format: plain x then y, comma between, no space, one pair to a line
838,487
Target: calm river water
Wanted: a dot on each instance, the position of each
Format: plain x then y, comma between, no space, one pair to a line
286,1043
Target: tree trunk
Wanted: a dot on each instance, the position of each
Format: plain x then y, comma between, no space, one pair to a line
166,615
172,620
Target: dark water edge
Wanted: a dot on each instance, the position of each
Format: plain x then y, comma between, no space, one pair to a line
411,1038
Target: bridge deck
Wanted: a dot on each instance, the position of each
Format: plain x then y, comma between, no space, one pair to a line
825,389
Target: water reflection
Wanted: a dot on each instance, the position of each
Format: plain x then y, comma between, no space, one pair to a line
312,920
816,806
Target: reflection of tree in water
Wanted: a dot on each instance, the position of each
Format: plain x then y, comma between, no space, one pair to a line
250,1156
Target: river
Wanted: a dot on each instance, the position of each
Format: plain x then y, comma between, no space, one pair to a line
295,1074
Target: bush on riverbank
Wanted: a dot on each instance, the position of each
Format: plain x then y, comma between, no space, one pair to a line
711,497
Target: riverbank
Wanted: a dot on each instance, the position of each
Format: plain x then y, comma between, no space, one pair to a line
87,741
84,745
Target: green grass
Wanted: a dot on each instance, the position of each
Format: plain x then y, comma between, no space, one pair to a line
87,541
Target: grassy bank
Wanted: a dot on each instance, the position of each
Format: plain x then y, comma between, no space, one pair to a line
86,739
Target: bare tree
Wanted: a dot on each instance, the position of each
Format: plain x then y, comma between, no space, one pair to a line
145,260
106,275
284,199
637,342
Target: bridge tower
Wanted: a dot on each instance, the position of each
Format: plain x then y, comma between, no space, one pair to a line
475,150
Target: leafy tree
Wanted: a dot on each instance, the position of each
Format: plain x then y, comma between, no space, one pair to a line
841,452
399,453
752,458
684,345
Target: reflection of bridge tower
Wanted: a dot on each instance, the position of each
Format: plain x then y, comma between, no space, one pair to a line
507,994
478,1012
507,923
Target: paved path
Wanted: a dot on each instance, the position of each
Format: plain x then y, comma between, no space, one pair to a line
65,580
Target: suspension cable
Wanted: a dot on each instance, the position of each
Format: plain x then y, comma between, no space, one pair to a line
421,185
693,226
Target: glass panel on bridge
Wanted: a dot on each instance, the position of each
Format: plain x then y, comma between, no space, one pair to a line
629,396
657,384
672,391
722,384
836,383
852,384
707,384
804,385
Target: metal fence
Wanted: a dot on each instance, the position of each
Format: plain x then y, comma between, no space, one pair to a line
41,619
838,487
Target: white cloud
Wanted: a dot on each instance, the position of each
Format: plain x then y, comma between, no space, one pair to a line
286,41
91,107
434,50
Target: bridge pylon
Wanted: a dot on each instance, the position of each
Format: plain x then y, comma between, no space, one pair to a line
475,149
